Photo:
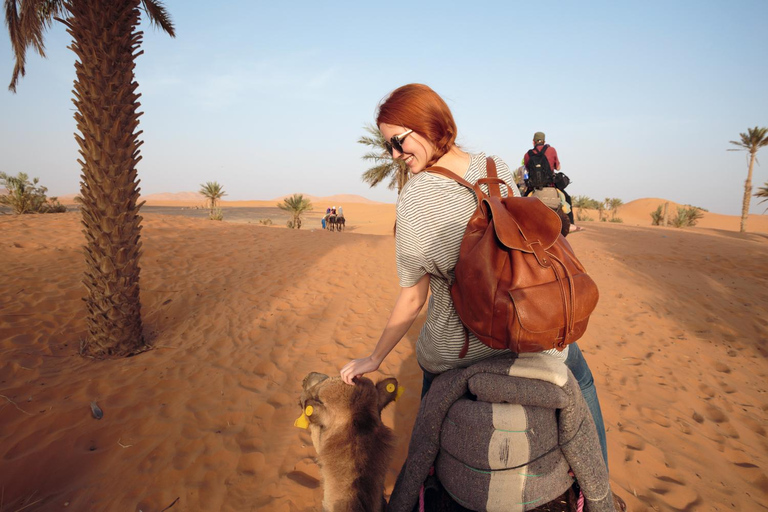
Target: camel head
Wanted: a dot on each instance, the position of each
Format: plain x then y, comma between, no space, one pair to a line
330,404
354,448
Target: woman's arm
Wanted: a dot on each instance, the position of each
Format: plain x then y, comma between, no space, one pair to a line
407,308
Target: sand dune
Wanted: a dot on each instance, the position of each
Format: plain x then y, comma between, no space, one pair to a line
238,313
638,213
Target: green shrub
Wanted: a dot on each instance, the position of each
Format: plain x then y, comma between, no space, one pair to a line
657,216
216,214
265,222
26,196
686,217
616,220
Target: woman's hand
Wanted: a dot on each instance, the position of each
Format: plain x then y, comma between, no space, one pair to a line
358,367
407,307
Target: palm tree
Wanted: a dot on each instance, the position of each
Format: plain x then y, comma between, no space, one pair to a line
105,42
614,203
297,204
385,166
213,192
581,203
752,141
762,192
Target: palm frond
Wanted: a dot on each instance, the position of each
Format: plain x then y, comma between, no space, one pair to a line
754,139
376,157
27,21
762,192
158,16
384,165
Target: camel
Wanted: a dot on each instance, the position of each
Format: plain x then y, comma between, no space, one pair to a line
354,448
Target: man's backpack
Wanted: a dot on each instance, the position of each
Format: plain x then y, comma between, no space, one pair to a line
539,171
518,284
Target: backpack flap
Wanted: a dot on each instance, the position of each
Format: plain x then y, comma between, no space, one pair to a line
519,221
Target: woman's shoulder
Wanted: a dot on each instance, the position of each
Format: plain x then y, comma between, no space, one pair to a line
411,190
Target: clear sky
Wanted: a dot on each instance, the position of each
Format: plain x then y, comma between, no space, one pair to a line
268,98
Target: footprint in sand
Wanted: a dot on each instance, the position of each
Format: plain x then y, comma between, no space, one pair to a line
251,463
633,443
727,387
753,425
720,367
676,493
752,473
713,413
707,390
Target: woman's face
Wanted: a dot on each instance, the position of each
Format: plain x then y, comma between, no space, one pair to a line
417,150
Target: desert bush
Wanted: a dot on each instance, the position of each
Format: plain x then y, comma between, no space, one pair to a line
265,222
617,220
657,216
686,217
584,217
26,196
216,214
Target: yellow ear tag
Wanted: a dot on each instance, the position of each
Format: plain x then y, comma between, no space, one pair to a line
302,421
390,388
400,391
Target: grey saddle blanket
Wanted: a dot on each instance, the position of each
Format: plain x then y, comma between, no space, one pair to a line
502,435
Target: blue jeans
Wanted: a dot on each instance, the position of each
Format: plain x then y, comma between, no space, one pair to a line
580,369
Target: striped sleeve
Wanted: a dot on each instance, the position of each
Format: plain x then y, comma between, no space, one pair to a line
411,262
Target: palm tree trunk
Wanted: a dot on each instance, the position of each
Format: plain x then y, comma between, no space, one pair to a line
105,41
747,192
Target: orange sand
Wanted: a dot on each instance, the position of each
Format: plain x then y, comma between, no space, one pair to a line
239,313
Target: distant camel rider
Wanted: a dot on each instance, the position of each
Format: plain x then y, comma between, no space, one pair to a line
532,156
541,163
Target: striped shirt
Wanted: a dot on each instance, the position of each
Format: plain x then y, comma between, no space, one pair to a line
432,215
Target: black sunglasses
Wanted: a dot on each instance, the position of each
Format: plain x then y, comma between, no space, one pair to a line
396,142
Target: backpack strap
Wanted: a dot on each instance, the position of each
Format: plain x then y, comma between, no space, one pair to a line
490,171
493,181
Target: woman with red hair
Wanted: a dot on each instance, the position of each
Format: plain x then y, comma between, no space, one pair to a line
432,214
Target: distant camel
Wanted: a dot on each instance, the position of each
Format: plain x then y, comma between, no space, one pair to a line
331,222
335,222
354,448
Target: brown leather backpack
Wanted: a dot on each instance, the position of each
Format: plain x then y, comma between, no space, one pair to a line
518,285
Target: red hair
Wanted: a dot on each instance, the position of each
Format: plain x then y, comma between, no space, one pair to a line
419,108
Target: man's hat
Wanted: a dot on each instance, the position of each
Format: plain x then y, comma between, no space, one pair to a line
539,136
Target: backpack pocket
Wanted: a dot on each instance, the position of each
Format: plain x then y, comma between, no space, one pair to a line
544,313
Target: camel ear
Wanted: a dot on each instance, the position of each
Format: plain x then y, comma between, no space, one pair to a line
313,379
388,392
